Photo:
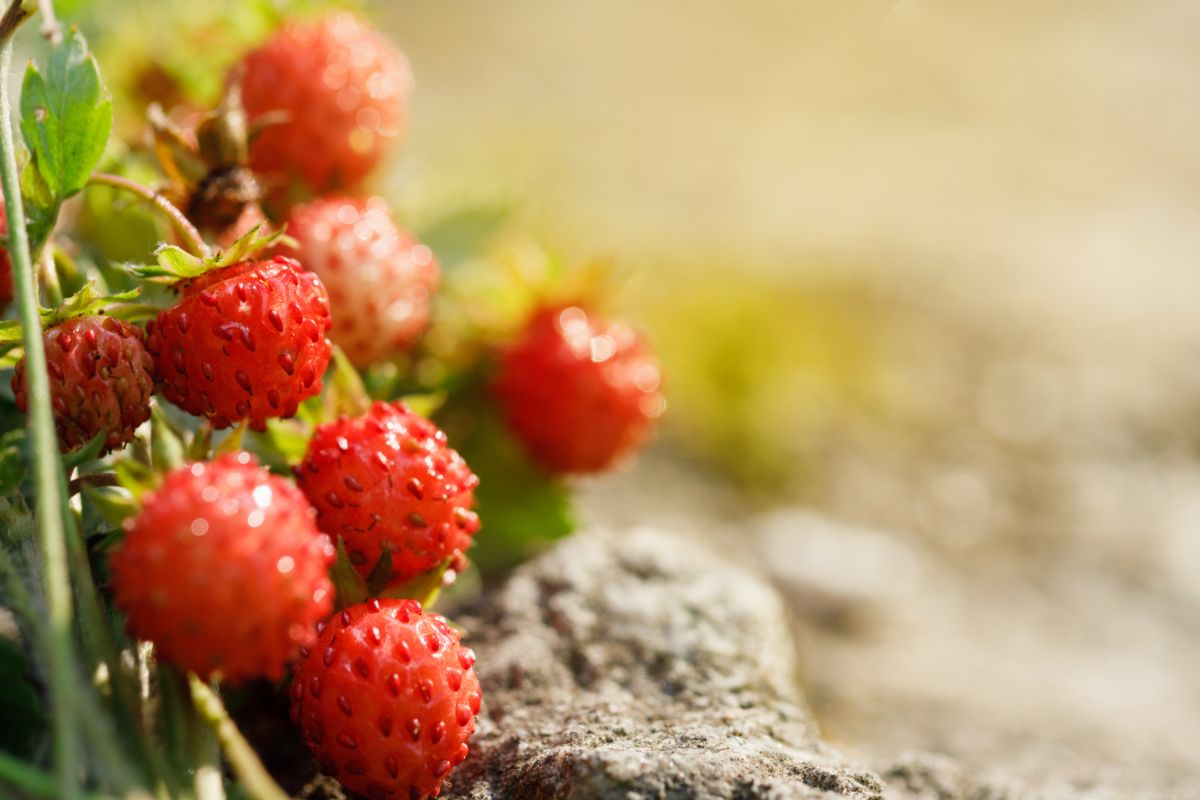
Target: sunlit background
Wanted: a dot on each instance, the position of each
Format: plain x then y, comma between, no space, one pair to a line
922,275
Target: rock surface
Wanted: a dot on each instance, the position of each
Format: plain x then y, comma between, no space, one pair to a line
639,666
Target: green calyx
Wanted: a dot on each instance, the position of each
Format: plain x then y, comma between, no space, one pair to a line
86,302
176,264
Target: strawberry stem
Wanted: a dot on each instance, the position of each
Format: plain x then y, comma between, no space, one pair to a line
186,229
51,497
257,782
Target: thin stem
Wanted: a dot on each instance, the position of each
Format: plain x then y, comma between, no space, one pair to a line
51,28
186,229
93,479
49,279
254,777
51,500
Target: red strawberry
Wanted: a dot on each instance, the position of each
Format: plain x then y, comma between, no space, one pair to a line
6,276
101,379
245,342
386,699
380,279
386,481
224,570
578,390
342,89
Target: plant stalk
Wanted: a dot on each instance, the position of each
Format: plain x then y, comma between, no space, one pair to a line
186,229
257,782
51,500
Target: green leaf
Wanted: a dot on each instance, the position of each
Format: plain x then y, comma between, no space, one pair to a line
351,588
66,116
41,206
522,508
464,234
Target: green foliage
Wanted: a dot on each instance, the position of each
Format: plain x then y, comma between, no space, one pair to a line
464,234
66,118
522,508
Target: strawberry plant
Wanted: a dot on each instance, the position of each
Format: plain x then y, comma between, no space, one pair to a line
257,423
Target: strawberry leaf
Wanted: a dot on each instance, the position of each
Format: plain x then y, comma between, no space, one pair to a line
66,116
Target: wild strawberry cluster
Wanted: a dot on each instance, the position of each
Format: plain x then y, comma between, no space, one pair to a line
243,560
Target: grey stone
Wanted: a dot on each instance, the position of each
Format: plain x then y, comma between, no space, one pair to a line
638,666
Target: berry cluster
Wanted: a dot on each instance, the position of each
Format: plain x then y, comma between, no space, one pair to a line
239,558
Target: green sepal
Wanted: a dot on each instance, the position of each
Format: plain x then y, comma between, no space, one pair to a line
113,504
350,586
233,442
424,588
82,455
166,448
200,446
135,476
347,395
176,264
84,302
381,574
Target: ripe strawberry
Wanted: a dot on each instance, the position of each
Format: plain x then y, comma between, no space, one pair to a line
244,342
386,699
101,379
386,481
380,279
342,90
224,570
6,276
578,390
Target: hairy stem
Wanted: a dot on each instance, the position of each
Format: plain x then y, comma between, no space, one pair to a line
254,777
186,229
48,275
47,467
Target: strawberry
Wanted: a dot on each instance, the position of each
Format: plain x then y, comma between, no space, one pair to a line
340,91
386,699
101,379
386,482
224,570
244,342
380,279
6,276
578,390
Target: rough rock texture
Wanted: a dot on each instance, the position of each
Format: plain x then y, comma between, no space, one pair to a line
638,666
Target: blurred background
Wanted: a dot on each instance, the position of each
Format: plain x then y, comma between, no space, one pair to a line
922,276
